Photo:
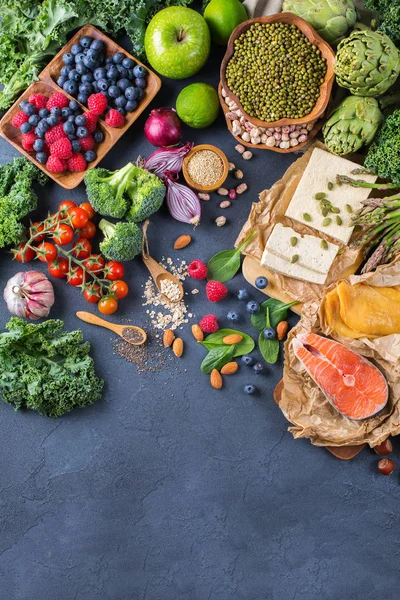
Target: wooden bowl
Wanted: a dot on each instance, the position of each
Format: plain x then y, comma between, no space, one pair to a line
47,85
314,38
197,186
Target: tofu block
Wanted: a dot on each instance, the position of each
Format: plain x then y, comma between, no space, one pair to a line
283,266
321,169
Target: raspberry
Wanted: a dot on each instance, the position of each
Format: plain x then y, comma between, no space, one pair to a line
54,134
38,100
77,162
19,118
27,140
209,324
57,99
97,103
216,291
91,122
61,148
197,269
56,165
87,143
114,118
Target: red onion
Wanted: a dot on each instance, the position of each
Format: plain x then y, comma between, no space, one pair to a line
163,127
167,159
183,204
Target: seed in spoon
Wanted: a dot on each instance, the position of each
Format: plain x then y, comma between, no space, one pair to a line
132,335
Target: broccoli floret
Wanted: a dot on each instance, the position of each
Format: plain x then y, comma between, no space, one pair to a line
122,241
383,157
106,190
146,192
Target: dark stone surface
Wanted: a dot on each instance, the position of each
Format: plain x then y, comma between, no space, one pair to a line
169,490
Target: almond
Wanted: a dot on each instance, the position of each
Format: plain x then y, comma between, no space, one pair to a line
177,347
216,379
282,330
197,332
230,368
168,337
234,338
182,242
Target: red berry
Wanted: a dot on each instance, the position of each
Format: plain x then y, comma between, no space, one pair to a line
97,103
77,162
91,122
19,118
197,269
209,324
87,143
114,118
216,291
27,140
61,148
57,99
54,134
56,165
38,100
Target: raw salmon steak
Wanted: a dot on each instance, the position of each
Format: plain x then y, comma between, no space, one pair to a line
352,384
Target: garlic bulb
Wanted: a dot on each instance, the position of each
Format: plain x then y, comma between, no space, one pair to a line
29,294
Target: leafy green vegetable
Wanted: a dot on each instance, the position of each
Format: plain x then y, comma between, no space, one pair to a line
122,241
278,312
46,369
217,358
388,16
214,340
268,348
224,265
383,157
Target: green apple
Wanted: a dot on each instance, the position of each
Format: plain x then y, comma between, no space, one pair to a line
177,42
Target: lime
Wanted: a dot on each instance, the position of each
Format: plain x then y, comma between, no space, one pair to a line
197,105
222,17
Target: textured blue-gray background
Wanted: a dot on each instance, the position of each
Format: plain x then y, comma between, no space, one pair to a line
169,490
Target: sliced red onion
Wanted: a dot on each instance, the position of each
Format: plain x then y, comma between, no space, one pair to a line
183,204
167,159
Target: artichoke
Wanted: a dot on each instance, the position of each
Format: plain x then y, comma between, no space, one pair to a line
353,124
367,63
330,18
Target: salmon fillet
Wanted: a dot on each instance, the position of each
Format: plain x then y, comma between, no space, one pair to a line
352,384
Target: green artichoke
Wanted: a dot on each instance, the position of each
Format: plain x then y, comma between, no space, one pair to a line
367,63
330,18
353,124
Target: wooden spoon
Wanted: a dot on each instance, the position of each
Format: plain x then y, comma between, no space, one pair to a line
118,329
157,271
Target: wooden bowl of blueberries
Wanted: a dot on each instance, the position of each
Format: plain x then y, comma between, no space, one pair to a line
90,75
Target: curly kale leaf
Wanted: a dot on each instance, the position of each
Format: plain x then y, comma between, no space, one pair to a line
388,16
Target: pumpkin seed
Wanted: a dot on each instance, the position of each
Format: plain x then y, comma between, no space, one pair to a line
330,185
326,222
307,217
335,210
338,220
324,245
320,196
294,258
325,212
348,208
293,241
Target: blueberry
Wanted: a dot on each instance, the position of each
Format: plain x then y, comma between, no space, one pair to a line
39,132
76,146
89,62
114,91
123,84
130,74
140,82
90,155
87,78
269,333
71,137
121,110
34,120
249,389
25,127
79,58
97,45
74,105
61,81
69,127
43,124
252,307
131,105
261,283
109,60
131,93
112,72
92,53
98,136
139,71
38,145
85,51
86,41
65,71
29,109
122,72
65,112
81,69
102,85
120,102
258,368
118,57
76,49
73,75
80,120
128,63
242,294
70,87
233,316
140,93
86,89
99,73
52,120
82,98
68,58
71,119
42,157
23,103
95,86
43,113
247,360
81,132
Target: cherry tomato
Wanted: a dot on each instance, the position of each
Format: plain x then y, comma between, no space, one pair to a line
79,217
23,255
59,268
34,231
88,208
92,293
63,234
120,289
94,263
46,252
114,270
66,205
89,231
107,305
82,248
75,276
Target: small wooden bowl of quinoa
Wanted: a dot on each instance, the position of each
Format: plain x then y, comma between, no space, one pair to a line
205,168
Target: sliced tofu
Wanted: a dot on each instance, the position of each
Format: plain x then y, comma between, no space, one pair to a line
283,266
322,168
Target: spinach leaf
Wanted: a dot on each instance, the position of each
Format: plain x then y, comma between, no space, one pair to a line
214,340
268,348
278,312
224,265
217,358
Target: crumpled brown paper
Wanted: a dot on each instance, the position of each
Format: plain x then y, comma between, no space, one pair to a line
271,210
304,404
